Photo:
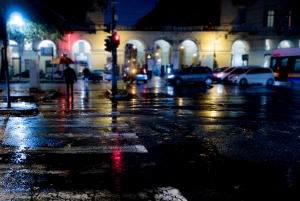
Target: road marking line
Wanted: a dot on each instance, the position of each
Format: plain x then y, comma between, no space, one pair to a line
102,149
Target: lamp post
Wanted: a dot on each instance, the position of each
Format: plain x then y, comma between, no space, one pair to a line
4,60
215,65
16,22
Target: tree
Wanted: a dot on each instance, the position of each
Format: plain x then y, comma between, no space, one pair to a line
49,19
34,31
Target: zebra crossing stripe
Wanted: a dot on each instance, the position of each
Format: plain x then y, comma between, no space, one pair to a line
103,149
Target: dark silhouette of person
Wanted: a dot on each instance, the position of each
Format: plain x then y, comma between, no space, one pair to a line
86,73
70,77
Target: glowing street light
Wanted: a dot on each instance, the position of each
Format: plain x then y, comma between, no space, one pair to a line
16,23
16,19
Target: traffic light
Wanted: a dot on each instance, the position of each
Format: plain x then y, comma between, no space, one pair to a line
116,40
108,44
107,27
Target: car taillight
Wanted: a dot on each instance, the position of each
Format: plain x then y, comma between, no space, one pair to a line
144,71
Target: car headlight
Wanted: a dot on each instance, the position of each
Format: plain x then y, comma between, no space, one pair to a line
170,76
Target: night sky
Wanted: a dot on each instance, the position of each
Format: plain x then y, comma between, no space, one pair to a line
129,11
141,13
188,13
49,11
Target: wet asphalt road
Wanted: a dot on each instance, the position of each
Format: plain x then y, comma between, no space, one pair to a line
161,143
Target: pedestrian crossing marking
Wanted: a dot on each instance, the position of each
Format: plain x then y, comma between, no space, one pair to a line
102,149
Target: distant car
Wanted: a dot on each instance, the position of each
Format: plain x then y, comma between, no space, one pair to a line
55,75
108,75
24,74
141,76
217,72
96,75
135,74
252,75
202,74
223,76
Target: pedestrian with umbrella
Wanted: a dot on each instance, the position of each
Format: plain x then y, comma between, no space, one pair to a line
69,74
62,59
70,77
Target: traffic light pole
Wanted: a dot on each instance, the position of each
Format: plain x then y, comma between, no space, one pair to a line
114,52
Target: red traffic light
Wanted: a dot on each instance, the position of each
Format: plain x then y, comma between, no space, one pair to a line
116,39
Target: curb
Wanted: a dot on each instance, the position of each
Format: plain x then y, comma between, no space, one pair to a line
19,109
121,94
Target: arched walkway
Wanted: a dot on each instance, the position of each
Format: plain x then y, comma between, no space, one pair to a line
240,52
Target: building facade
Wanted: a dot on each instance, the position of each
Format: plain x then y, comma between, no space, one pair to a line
249,30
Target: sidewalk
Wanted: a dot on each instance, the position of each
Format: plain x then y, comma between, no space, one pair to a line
22,100
22,103
21,108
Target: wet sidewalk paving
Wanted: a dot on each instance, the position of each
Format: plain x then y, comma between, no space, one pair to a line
21,103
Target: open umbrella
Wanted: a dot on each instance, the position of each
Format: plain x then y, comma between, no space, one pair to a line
62,60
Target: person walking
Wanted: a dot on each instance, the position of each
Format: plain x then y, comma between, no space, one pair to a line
86,73
70,77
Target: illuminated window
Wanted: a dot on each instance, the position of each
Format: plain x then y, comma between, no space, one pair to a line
297,64
81,47
270,18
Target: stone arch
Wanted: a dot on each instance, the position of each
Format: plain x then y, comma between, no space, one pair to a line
239,51
285,44
160,55
162,49
14,57
46,43
189,52
81,51
139,40
47,50
14,49
134,52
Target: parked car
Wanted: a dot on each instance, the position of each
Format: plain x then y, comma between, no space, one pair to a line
217,72
135,74
96,75
108,75
223,76
202,74
252,75
55,75
24,74
141,75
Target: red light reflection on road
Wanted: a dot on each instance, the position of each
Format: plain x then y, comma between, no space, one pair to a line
117,166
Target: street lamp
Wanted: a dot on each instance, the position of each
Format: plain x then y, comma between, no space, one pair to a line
4,60
16,23
215,65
